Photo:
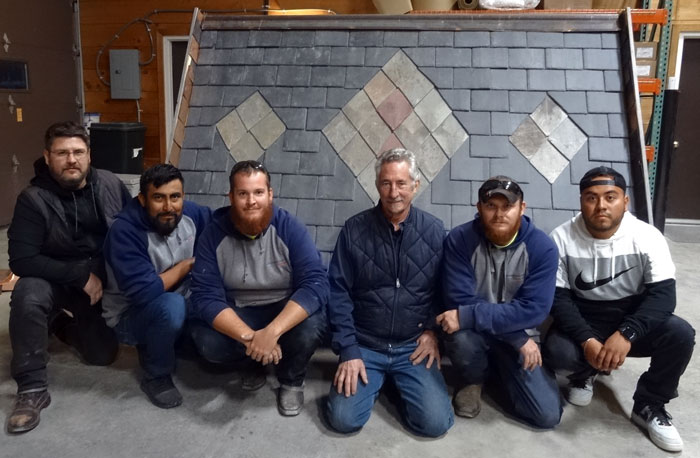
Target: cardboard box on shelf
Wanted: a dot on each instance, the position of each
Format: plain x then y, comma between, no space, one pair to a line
615,4
404,6
646,68
645,49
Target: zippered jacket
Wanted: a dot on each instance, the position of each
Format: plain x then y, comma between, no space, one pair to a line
384,287
605,284
505,292
57,234
280,264
135,256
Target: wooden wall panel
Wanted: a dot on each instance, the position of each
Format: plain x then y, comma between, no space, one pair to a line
101,19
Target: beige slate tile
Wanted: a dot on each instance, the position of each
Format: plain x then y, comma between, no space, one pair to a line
548,115
357,155
379,88
231,129
253,110
357,108
247,149
412,132
528,138
450,135
549,162
568,138
375,131
431,158
394,109
268,130
432,110
339,131
367,179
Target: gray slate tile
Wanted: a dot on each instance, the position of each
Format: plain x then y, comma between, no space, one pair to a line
565,196
219,184
347,56
293,118
608,149
232,38
300,186
545,39
605,102
188,159
347,209
196,182
378,57
247,56
601,59
366,38
301,140
207,39
264,38
206,96
199,137
318,118
400,38
277,96
341,186
294,75
509,79
331,38
209,200
277,161
288,204
435,38
313,56
357,77
594,125
453,57
525,102
490,57
235,95
338,97
212,160
312,97
618,125
298,38
472,78
548,220
475,122
260,75
526,58
489,146
472,39
326,236
422,57
610,40
463,167
570,101
441,77
328,76
505,123
457,99
321,163
279,56
546,80
510,39
446,191
613,81
564,58
489,100
582,40
462,214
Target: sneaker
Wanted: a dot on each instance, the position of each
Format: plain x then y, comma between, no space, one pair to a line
254,379
162,392
25,413
657,422
580,392
467,401
290,400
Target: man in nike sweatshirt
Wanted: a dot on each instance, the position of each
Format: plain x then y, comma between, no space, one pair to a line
615,296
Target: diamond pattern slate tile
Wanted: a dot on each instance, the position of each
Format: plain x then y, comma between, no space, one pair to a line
432,110
339,131
246,149
431,159
394,109
549,162
367,179
268,130
391,142
357,108
450,135
375,132
548,116
253,110
528,138
357,154
567,138
231,129
412,132
379,88
404,74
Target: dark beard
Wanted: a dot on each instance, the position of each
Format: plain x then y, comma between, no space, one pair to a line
165,228
252,226
71,184
498,237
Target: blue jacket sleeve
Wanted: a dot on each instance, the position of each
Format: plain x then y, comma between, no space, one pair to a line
126,252
201,216
309,277
341,274
208,297
527,309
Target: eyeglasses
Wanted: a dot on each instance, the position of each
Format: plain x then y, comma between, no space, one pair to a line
247,165
64,153
490,185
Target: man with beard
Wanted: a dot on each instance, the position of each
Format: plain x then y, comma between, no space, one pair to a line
498,282
384,297
615,296
149,254
55,246
259,289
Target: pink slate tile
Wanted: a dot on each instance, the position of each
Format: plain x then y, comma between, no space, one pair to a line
394,109
390,143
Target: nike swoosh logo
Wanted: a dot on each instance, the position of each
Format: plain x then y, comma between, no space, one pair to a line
589,285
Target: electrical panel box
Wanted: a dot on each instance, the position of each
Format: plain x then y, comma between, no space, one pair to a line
124,74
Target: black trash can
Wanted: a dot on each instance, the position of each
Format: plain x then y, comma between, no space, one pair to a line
117,146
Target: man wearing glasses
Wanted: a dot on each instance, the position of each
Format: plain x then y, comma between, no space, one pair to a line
259,289
498,282
55,247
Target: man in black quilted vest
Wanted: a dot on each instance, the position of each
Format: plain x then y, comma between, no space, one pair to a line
384,298
55,247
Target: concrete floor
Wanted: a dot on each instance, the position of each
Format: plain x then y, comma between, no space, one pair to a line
102,412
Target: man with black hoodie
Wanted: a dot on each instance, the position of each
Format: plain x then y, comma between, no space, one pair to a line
55,247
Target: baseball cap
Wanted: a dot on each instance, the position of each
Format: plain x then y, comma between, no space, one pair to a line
589,179
502,185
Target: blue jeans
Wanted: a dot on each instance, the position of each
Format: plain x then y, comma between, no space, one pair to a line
298,344
532,396
426,407
154,328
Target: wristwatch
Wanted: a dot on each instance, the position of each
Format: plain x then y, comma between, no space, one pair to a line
628,333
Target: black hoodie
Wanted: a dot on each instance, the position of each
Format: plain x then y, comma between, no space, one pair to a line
56,233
